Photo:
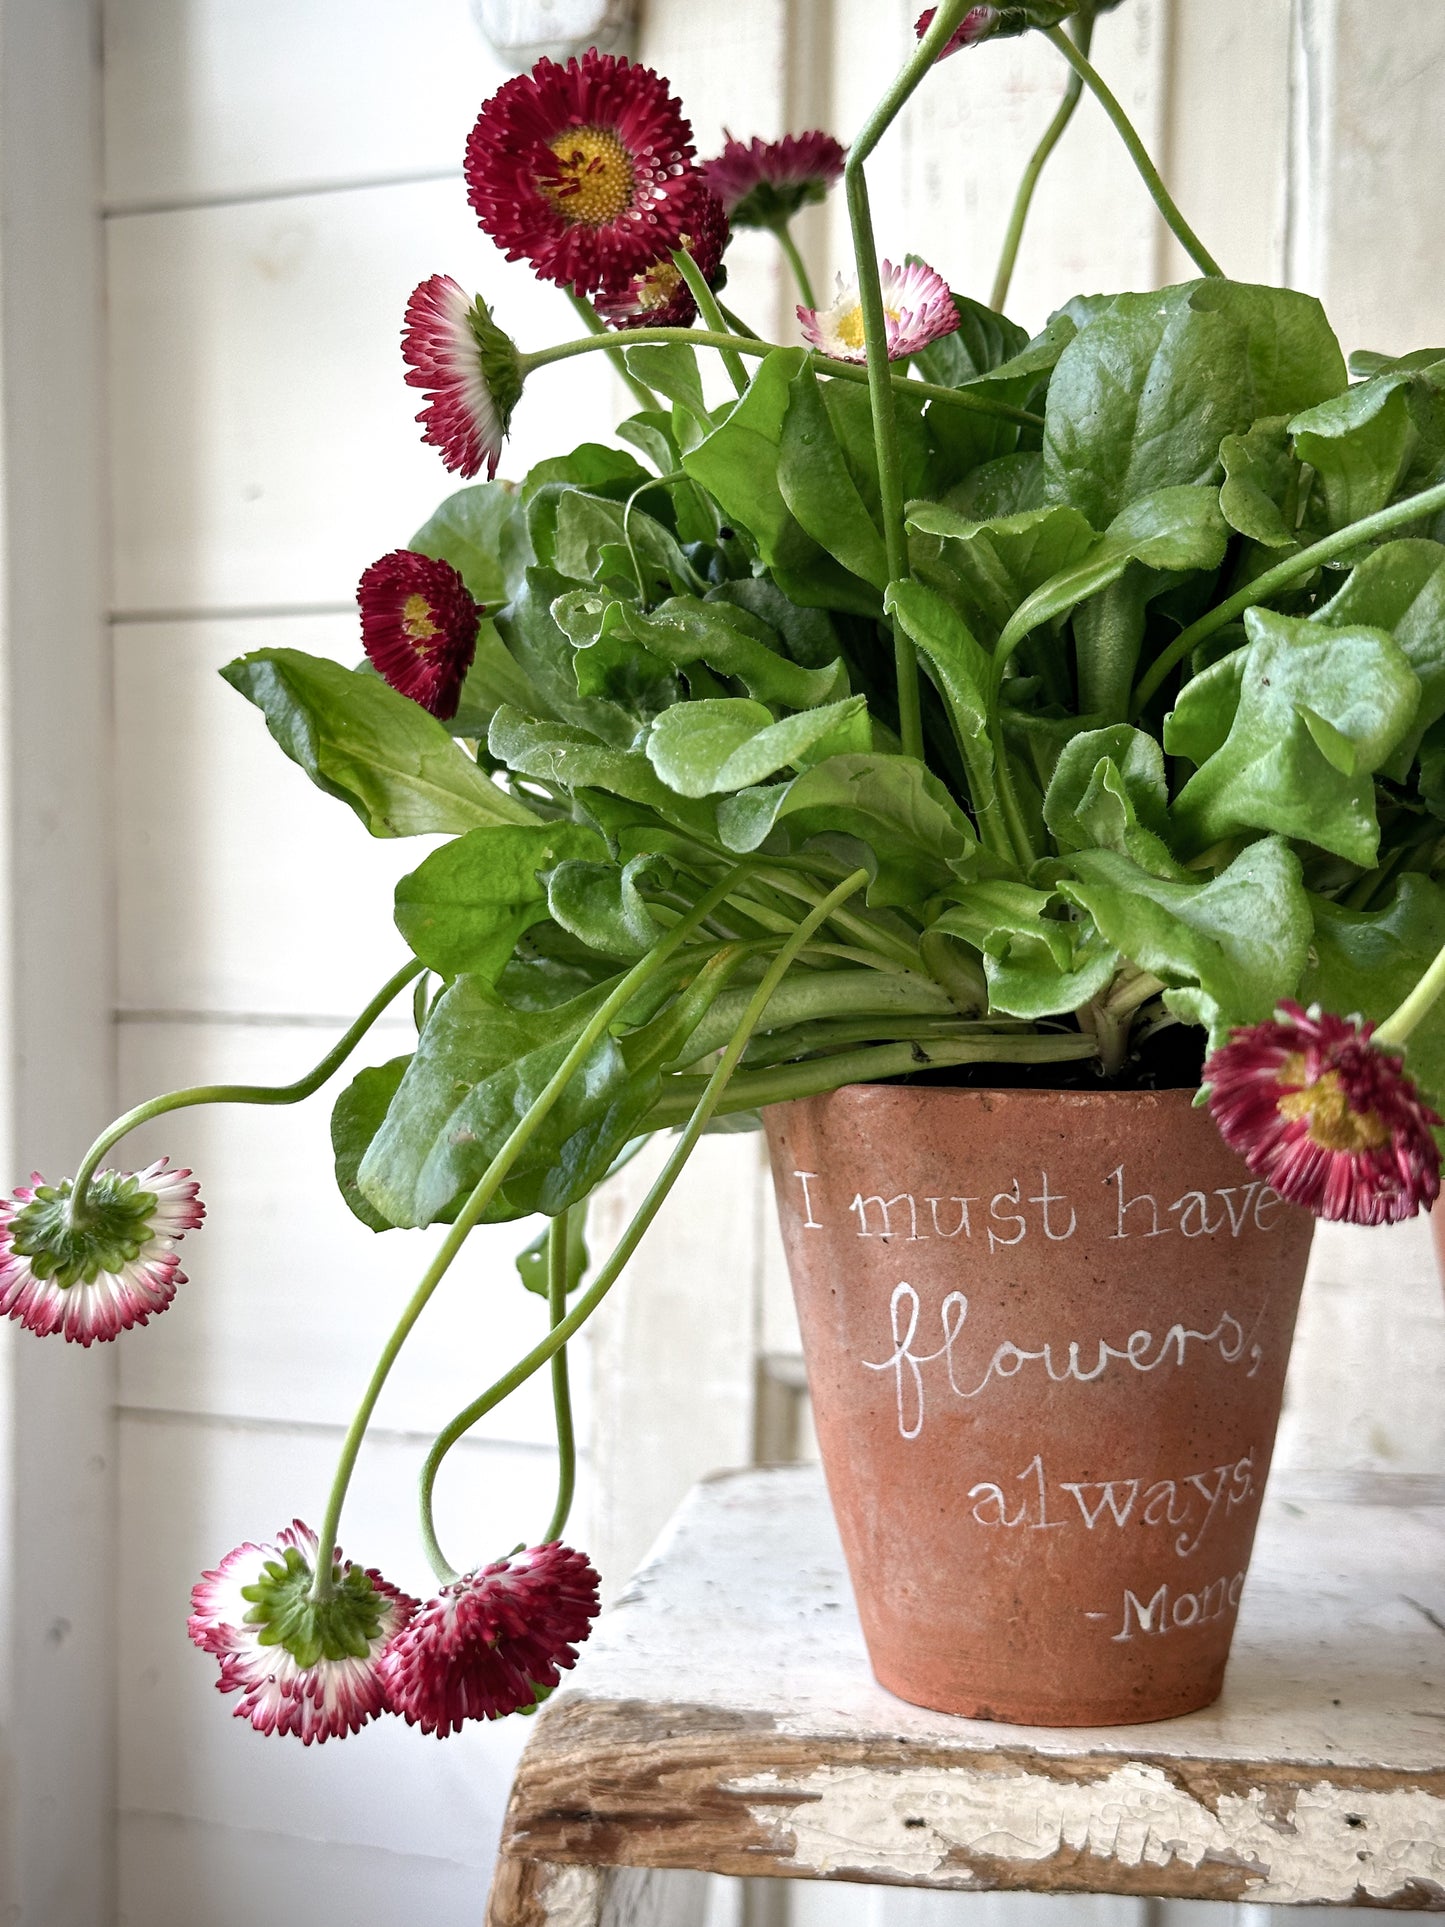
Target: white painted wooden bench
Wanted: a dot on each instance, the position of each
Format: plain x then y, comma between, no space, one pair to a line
724,1719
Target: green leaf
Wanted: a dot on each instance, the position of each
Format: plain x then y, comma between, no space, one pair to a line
998,563
669,367
961,670
383,754
493,679
1144,394
1109,792
1200,720
571,760
738,465
602,905
915,834
1170,529
355,1120
479,1066
1359,443
464,908
815,482
592,466
1401,587
1365,963
482,532
1026,979
685,631
1261,477
1242,938
533,1262
1319,712
702,748
592,544
991,912
545,655
982,341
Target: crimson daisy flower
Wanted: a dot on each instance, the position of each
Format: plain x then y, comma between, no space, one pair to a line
470,370
419,628
494,1641
764,183
917,309
1326,1116
657,296
584,170
114,1266
301,1666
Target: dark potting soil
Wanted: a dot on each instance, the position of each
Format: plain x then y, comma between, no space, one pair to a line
1171,1060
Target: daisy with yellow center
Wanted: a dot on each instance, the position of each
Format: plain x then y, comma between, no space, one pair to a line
419,628
586,171
1326,1115
917,309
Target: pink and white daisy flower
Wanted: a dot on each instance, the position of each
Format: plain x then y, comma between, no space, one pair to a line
917,308
584,170
310,1668
657,296
764,183
471,372
492,1643
112,1265
419,628
1327,1117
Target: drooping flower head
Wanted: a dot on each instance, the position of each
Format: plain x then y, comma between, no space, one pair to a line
764,183
988,23
471,372
917,308
305,1667
1326,1116
493,1643
111,1266
583,170
419,628
979,23
657,296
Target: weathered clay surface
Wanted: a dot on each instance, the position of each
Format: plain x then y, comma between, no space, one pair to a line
1046,1336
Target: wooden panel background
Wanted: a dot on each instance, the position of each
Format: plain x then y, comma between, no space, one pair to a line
278,175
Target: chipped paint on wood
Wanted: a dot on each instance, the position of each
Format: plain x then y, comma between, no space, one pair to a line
1323,1844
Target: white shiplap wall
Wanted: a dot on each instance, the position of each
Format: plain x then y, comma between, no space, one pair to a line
279,175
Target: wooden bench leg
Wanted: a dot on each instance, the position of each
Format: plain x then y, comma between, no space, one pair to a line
543,1893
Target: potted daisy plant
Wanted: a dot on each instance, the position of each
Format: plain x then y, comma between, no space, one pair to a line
1010,767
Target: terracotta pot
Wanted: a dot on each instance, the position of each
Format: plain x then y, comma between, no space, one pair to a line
1046,1335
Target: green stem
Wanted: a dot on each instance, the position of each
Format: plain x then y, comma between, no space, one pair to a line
241,1093
1084,30
707,1103
561,1391
811,994
610,347
1398,1026
709,314
822,365
486,1189
750,1091
795,261
737,324
1305,562
1148,172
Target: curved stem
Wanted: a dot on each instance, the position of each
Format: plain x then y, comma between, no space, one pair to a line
1402,1021
875,343
822,365
709,313
611,347
795,261
705,1106
485,1190
750,1090
1305,562
1084,31
1148,172
242,1093
561,1391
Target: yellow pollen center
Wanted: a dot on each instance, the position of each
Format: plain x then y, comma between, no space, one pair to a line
416,620
593,182
656,285
1326,1111
850,328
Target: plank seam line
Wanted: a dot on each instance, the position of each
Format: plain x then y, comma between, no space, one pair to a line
161,1415
126,1810
256,1019
121,210
237,612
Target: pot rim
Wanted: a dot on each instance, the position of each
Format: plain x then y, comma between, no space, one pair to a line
1177,1097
